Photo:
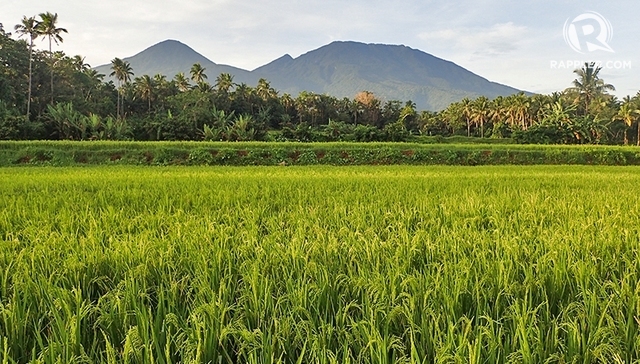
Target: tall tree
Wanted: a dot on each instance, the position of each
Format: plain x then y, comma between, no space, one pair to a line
122,71
224,83
181,82
589,85
47,27
409,116
369,105
145,86
265,91
197,73
95,81
517,110
79,64
628,114
466,109
28,27
480,112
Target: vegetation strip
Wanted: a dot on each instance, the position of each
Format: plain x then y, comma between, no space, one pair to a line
250,153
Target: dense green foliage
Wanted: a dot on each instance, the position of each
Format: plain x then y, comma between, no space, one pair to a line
262,153
319,265
70,101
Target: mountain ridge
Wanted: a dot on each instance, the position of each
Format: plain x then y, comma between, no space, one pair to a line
341,69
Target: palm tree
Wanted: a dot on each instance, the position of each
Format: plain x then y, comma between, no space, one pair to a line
517,110
78,63
204,87
95,80
265,91
628,114
28,27
163,88
224,83
122,71
409,115
182,82
47,28
287,102
452,116
480,112
197,73
589,85
145,86
466,109
498,111
242,98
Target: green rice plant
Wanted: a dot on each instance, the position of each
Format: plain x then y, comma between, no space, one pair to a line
396,264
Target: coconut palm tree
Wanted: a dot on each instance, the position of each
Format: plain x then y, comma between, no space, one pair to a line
628,114
224,83
79,64
287,102
480,112
28,27
47,27
182,82
265,91
452,116
144,87
589,85
122,71
95,80
162,89
466,110
204,87
197,73
517,110
242,97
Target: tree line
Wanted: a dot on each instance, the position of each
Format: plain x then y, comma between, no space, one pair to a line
46,94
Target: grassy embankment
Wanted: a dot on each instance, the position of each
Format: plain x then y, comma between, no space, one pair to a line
199,153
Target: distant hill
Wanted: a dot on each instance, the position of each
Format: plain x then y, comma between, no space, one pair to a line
341,69
172,57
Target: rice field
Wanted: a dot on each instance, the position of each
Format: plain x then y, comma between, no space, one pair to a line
399,264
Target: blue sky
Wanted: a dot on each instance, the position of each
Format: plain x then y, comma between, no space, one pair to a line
511,42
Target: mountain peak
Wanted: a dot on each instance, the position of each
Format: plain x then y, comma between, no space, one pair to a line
284,59
171,47
280,62
171,57
170,42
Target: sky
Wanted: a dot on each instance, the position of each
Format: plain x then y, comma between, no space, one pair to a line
533,45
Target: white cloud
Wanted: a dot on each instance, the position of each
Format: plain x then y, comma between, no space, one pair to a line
496,40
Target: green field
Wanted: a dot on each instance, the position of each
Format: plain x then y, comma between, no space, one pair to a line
494,264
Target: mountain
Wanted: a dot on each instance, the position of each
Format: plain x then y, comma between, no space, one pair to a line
172,57
340,69
392,72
